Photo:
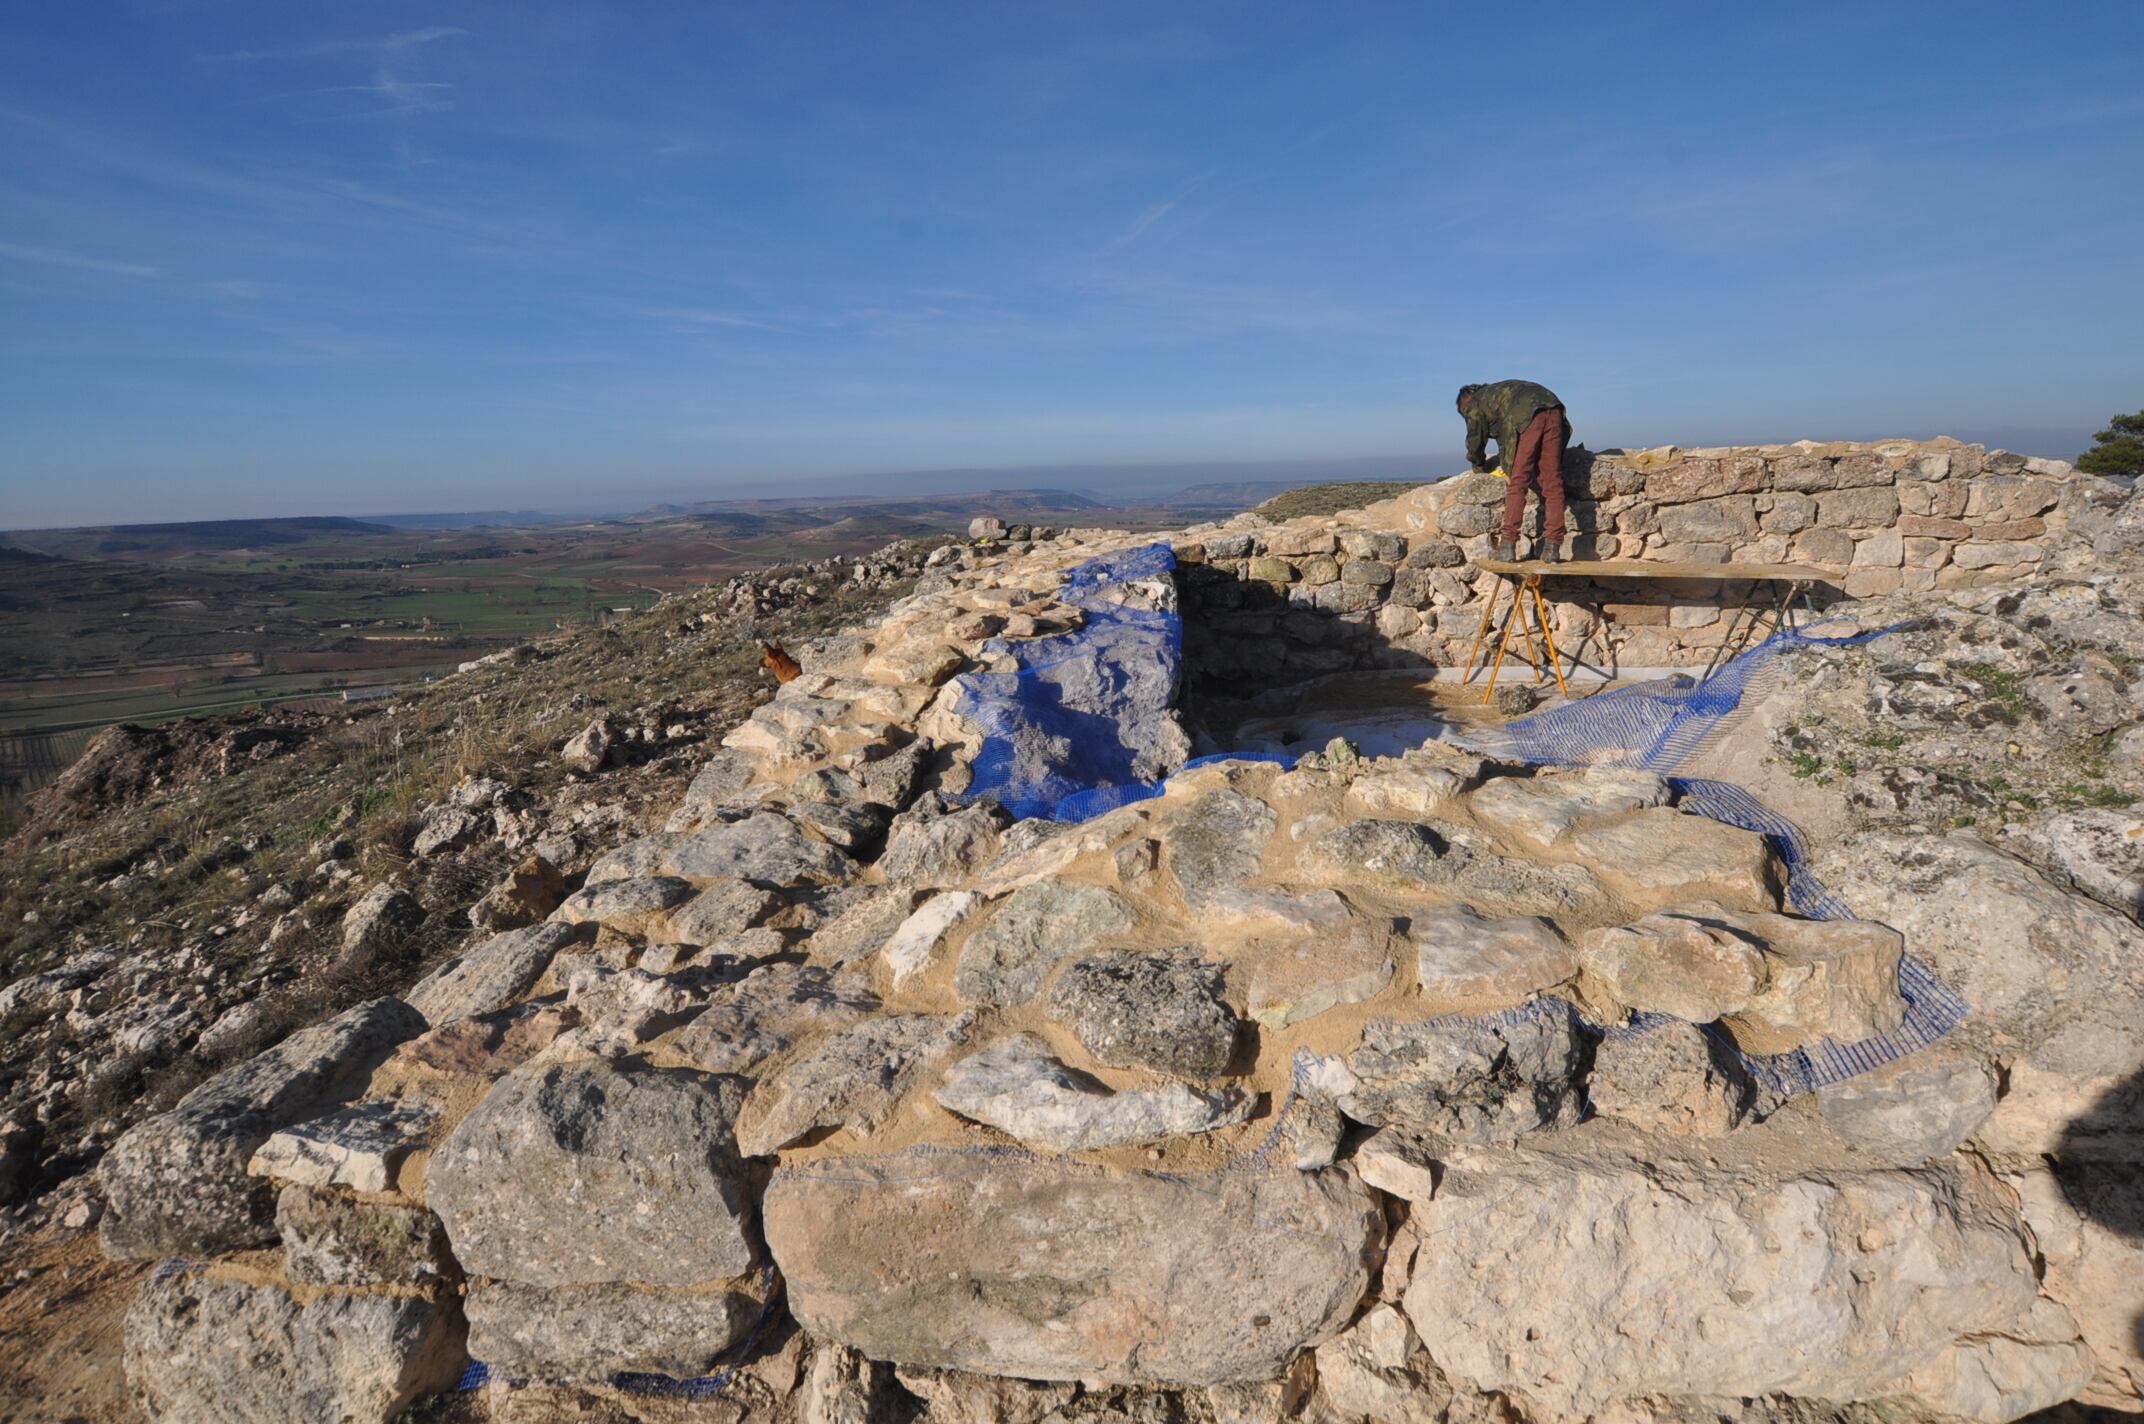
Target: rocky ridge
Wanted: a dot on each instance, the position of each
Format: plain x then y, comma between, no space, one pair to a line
1280,1094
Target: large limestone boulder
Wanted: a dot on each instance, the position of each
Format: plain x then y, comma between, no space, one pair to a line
177,1184
584,1173
206,1351
1578,1276
1051,1271
2053,980
1006,960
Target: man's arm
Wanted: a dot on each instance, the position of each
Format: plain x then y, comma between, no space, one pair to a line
1477,438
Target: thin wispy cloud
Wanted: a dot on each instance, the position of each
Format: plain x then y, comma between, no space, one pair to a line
83,262
407,39
1137,230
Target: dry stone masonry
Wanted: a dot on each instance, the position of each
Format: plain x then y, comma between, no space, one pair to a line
1280,1087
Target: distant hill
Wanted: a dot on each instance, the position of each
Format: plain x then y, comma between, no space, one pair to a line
206,536
469,519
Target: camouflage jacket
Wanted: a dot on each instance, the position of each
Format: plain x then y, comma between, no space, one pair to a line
1500,411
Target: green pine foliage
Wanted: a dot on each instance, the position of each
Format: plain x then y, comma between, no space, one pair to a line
2120,450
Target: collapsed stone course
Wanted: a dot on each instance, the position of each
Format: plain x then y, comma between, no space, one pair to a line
1278,1066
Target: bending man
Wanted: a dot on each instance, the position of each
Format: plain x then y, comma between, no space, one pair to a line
1528,425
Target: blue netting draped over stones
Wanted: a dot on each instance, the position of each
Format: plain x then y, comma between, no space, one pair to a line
1081,723
1658,726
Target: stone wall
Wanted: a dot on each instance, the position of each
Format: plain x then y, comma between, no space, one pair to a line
1395,584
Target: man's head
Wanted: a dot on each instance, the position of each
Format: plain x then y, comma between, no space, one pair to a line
1466,396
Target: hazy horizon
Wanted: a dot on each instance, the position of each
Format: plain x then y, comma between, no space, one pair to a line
265,260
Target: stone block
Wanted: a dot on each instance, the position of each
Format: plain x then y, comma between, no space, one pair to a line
177,1184
199,1349
1832,548
1943,501
593,1332
1685,615
1928,526
1803,474
2011,530
1463,959
582,1173
1886,550
1872,583
1294,543
1864,508
360,1147
1317,570
1047,1270
1790,513
1435,554
1719,1284
1367,572
1976,555
1693,968
333,1240
1463,521
1272,570
1862,471
1636,615
1729,519
1670,1077
1925,553
1374,544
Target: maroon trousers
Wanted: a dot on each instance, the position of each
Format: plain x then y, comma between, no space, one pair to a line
1539,459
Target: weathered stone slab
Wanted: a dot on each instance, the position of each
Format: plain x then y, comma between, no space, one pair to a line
584,1173
915,942
1051,1271
1005,961
1662,855
765,848
1460,956
360,1147
1389,855
1159,1011
1672,1077
1297,977
202,1351
1019,1087
772,1010
1539,810
627,904
929,848
486,1045
493,973
851,1080
1692,966
719,911
1849,1286
333,1240
1483,1079
1215,842
177,1184
1835,979
593,1332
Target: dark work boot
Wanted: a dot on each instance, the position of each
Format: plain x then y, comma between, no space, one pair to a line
1551,554
1507,551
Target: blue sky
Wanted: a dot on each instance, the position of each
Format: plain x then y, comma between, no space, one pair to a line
269,258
